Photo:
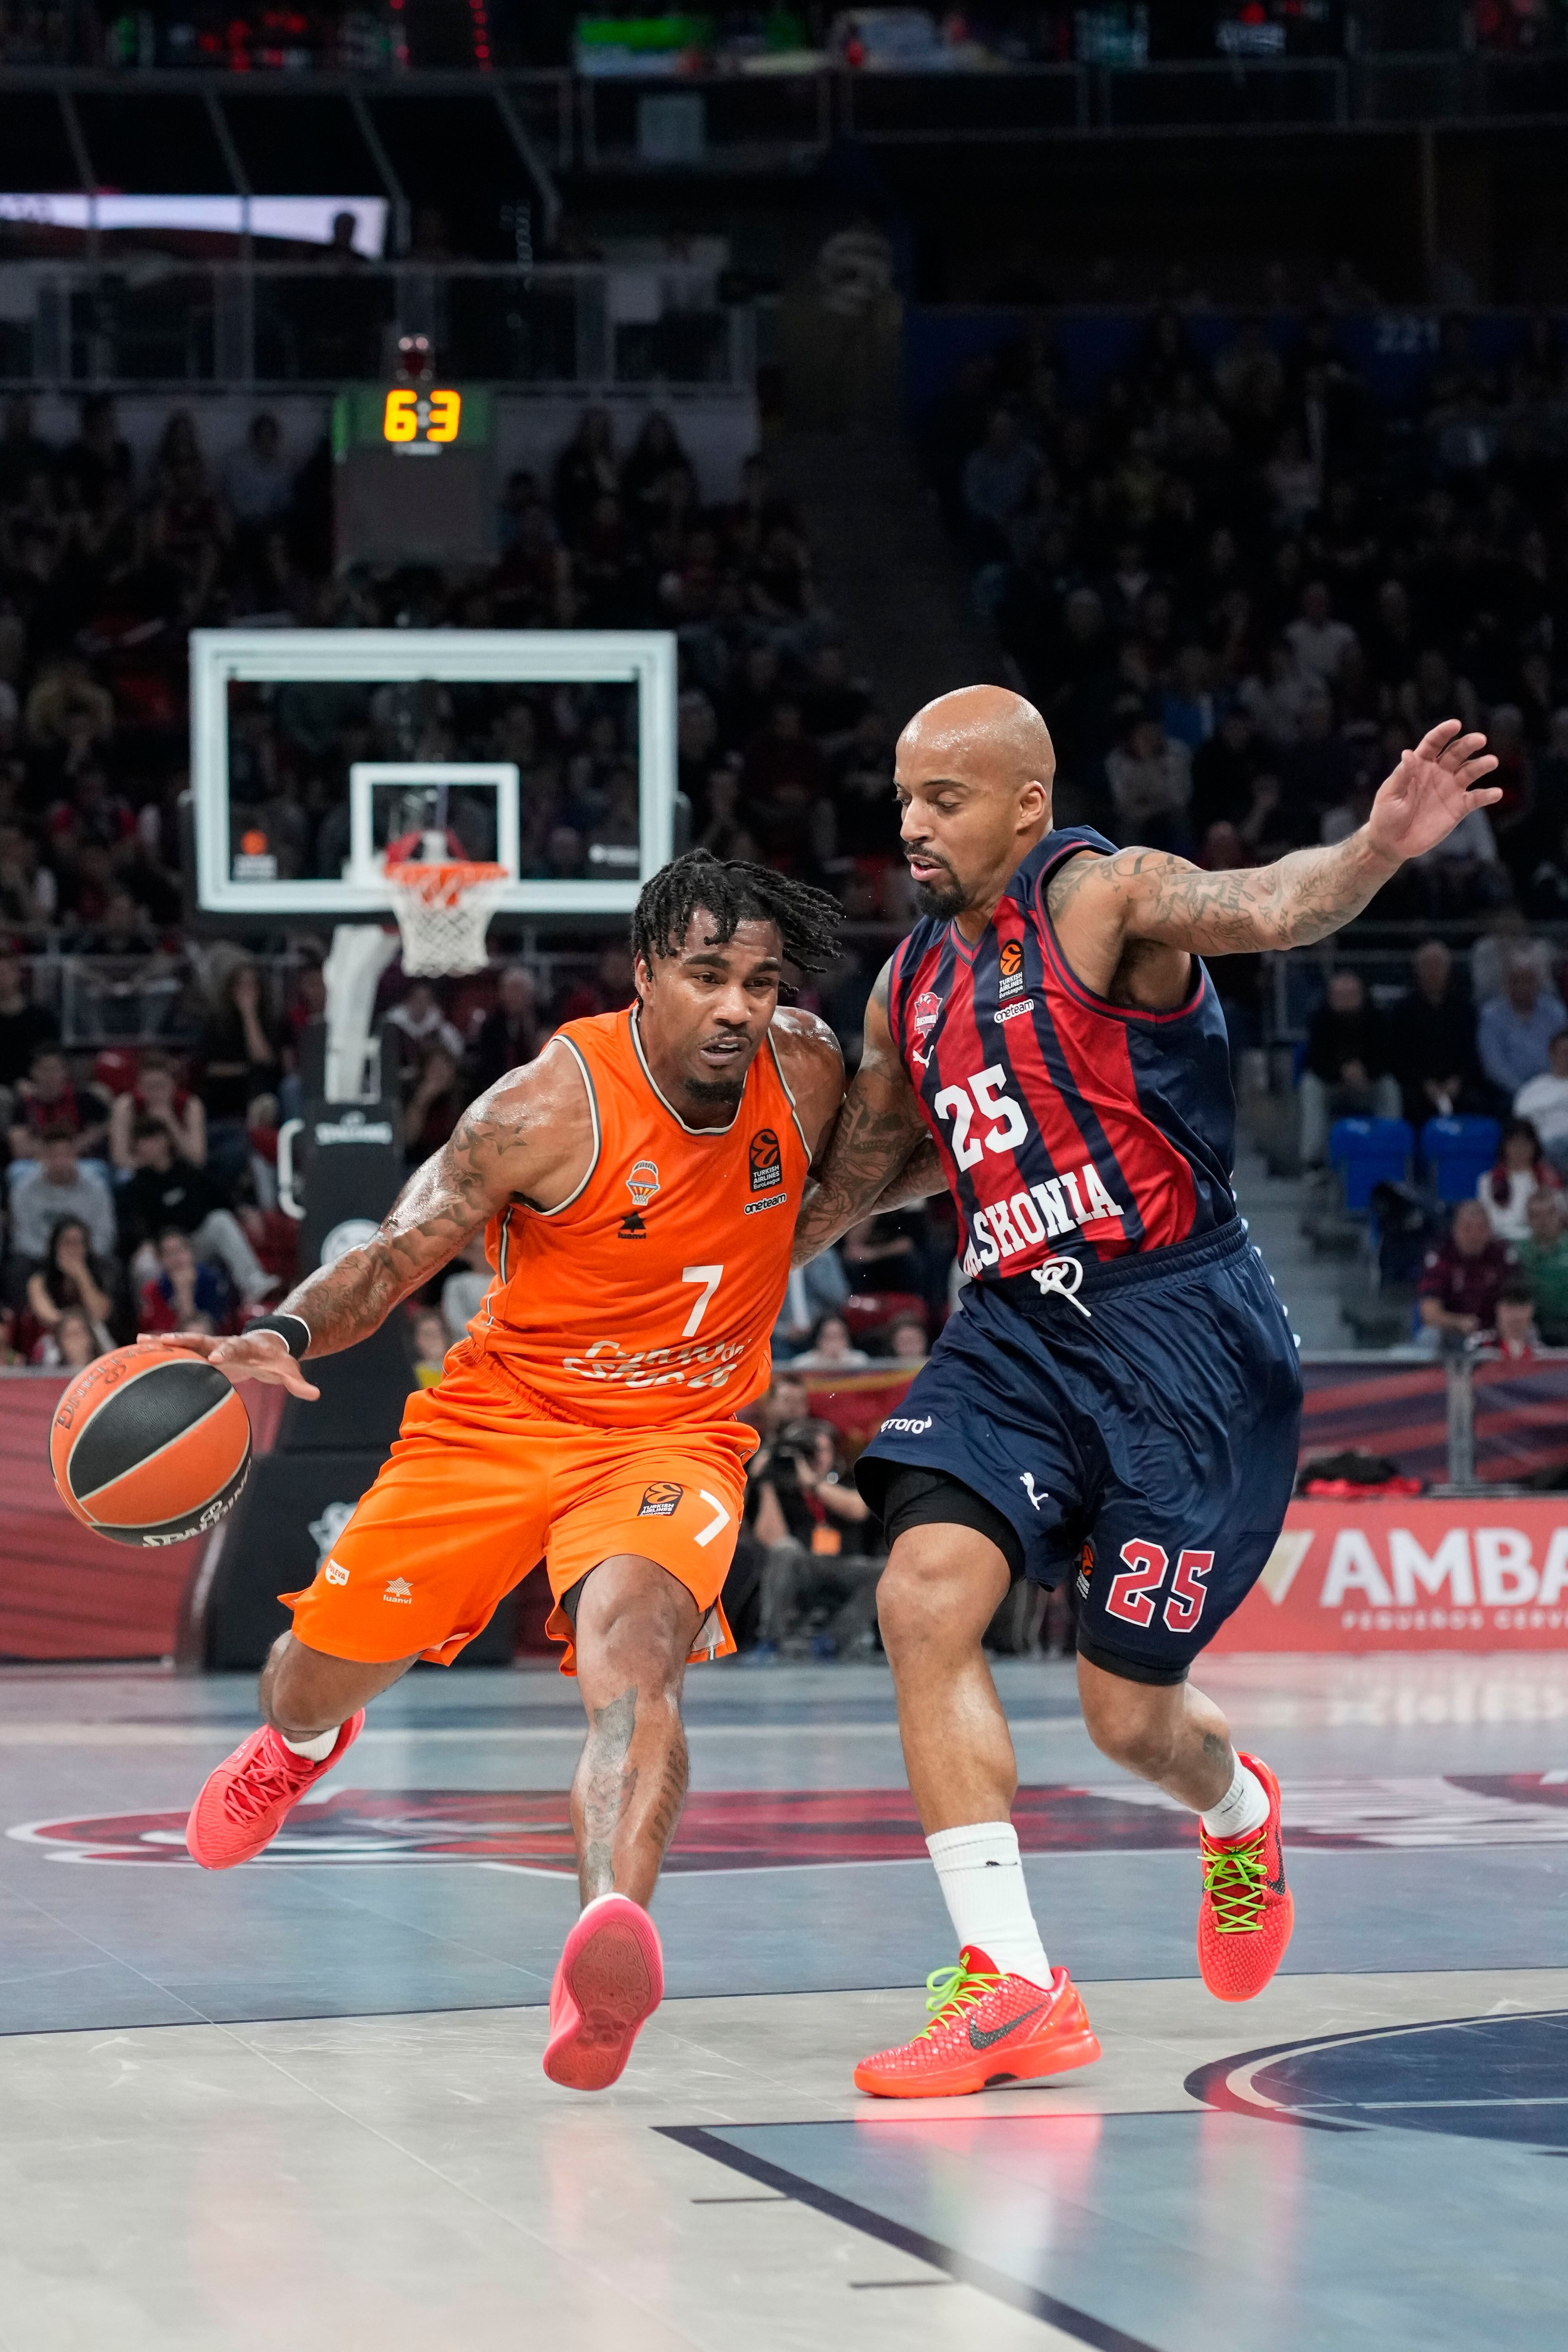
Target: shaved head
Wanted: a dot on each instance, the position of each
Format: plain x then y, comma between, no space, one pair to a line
974,774
989,724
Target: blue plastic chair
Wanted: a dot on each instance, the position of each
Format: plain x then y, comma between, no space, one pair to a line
1368,1152
1456,1154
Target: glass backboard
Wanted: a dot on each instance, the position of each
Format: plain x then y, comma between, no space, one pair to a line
313,751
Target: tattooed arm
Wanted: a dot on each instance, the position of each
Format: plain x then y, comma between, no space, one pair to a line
1127,923
528,1140
876,1138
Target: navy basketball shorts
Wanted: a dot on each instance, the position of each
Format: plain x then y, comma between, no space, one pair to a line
1140,1435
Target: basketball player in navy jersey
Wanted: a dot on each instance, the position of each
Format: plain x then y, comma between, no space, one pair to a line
1118,1396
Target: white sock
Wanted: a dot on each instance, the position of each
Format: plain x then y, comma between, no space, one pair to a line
982,1885
1243,1807
317,1749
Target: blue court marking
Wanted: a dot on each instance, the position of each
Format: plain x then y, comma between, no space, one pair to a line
1493,2078
1174,2232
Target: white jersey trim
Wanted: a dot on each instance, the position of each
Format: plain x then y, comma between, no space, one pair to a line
664,1098
598,1135
789,1097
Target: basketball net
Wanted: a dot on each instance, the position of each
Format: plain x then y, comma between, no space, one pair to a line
443,912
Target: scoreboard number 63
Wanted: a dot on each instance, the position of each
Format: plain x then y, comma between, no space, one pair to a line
410,416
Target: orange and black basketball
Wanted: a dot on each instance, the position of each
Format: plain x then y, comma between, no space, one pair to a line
149,1446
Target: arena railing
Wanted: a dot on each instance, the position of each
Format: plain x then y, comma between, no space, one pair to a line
1470,1421
149,321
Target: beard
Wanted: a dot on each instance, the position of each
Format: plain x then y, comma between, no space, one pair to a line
941,900
715,1090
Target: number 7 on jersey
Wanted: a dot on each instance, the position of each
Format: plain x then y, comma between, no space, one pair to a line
709,1276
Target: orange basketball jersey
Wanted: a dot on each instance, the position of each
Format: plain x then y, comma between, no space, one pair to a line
646,1299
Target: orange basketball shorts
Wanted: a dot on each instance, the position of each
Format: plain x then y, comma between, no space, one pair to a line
478,1490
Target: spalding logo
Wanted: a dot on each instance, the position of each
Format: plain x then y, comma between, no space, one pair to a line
198,1526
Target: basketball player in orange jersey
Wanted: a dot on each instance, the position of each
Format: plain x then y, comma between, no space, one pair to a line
639,1186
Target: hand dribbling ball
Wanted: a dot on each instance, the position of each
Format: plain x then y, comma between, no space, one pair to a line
149,1446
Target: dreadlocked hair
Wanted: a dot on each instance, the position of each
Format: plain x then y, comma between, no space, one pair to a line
733,892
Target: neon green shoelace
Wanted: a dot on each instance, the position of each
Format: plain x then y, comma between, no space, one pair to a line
950,1991
1235,1878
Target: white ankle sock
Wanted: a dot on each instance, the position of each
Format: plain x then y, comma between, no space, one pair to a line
317,1749
982,1885
1244,1806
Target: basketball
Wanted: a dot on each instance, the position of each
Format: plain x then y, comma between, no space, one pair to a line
149,1446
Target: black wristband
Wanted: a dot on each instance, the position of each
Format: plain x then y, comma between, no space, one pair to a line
292,1329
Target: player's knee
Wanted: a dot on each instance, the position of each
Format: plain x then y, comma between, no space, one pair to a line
922,1602
636,1627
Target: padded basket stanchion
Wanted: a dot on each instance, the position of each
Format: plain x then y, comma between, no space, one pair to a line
443,913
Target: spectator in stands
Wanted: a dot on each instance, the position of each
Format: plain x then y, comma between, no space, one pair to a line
1461,1278
157,1098
905,1340
430,1345
832,1350
1514,1333
58,1185
998,483
1514,1033
463,1293
1544,1101
422,1024
239,1056
47,1099
73,1279
162,1191
184,1290
1346,1074
431,1103
1543,1262
72,1344
26,1030
1150,782
1432,1041
812,1524
814,1291
1505,1191
258,483
510,1033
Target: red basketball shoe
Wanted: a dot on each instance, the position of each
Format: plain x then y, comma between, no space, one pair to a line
986,2028
609,1981
1246,1913
246,1800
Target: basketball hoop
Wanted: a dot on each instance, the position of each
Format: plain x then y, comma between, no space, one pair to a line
443,912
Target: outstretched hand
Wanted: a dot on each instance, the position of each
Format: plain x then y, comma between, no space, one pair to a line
245,1357
1433,789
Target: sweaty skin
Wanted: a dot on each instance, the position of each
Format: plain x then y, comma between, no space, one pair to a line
703,1017
974,781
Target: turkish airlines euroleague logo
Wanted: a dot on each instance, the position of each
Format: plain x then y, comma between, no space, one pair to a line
661,1500
766,1161
1010,969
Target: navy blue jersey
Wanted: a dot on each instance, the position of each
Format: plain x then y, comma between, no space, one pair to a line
1067,1125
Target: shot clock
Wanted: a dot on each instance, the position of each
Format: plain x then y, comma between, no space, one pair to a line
414,473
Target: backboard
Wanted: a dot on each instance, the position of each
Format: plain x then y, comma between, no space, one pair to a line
551,751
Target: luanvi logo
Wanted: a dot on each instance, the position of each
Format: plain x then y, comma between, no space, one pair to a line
631,1228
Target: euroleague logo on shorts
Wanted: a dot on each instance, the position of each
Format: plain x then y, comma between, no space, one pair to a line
1010,969
765,1160
660,1500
